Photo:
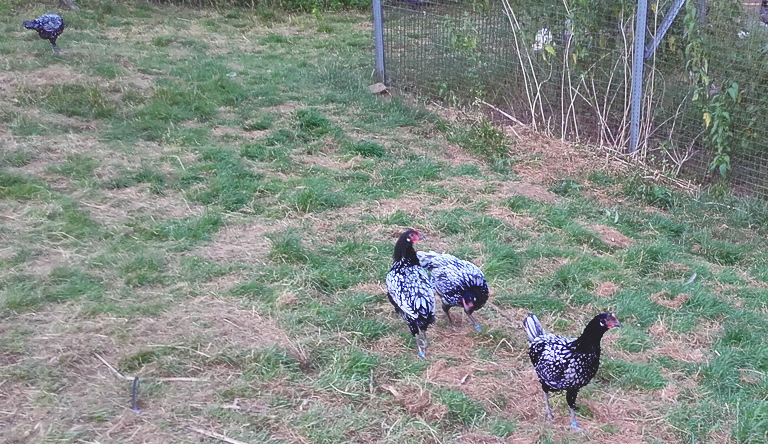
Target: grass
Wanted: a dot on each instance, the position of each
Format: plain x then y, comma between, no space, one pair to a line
213,195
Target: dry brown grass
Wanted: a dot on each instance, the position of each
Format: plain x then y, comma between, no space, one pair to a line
663,298
606,289
241,243
67,345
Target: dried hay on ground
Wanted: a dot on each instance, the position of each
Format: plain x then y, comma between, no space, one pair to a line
242,243
663,298
83,385
606,289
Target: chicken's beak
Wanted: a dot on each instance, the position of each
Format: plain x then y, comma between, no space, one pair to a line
612,322
467,305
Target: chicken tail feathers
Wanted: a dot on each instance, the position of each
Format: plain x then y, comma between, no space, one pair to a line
533,327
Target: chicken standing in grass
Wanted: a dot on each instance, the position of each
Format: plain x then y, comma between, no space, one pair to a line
48,26
459,283
565,363
410,290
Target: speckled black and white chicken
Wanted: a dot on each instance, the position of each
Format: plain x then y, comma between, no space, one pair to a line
459,283
566,364
48,26
410,290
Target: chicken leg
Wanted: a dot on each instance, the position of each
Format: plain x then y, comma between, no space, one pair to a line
421,343
546,404
570,397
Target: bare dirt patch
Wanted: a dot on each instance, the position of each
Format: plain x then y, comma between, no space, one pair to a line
416,401
245,243
663,298
51,75
284,109
611,236
48,260
545,160
455,156
606,289
531,191
544,266
228,131
512,219
370,288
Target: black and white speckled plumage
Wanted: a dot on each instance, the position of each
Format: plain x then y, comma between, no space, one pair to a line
566,364
48,26
409,288
764,12
459,283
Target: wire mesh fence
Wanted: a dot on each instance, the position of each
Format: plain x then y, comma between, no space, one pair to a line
565,68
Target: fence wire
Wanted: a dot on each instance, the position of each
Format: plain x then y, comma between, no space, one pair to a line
564,67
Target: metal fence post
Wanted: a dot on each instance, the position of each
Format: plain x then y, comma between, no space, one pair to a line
378,37
662,31
638,61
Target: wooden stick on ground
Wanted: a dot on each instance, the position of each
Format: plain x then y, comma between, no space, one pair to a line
112,369
215,435
508,116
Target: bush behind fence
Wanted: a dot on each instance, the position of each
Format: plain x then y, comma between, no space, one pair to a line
565,68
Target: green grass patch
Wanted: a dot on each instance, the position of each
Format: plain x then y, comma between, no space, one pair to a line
631,375
312,123
18,187
461,409
76,166
367,149
192,229
482,139
77,101
287,247
316,194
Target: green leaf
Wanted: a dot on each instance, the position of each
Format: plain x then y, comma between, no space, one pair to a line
550,49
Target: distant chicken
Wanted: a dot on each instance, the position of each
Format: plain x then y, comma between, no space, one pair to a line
410,291
565,363
48,26
458,283
764,12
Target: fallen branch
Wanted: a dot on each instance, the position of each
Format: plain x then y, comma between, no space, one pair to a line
112,369
505,114
215,435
